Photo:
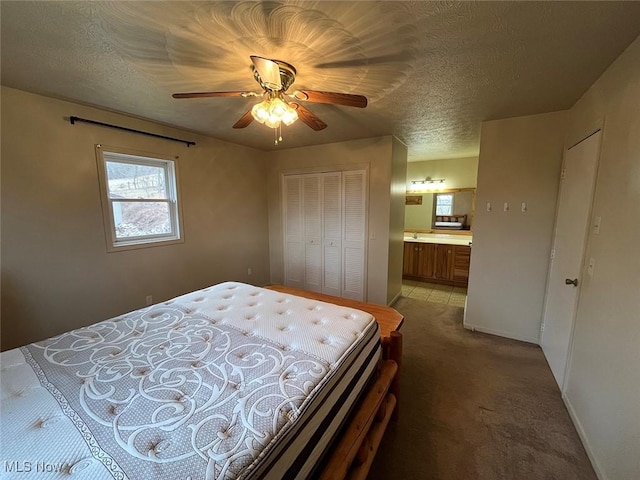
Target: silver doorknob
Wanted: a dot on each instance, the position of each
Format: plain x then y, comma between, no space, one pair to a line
568,281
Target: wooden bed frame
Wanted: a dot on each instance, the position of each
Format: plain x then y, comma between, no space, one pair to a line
353,454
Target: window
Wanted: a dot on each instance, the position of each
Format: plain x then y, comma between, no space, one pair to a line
444,203
140,201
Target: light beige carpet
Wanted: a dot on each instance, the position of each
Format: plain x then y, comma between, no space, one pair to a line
475,406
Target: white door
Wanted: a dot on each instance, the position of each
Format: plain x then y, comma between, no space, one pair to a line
331,233
293,242
572,224
312,231
325,224
354,234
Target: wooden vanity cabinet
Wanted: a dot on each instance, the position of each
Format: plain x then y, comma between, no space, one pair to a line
443,262
408,259
461,261
437,263
418,259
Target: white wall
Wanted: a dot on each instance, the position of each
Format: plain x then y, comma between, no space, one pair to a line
457,172
56,272
602,386
396,221
372,153
602,383
520,160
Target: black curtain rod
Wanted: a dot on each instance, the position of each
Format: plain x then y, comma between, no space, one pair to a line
73,120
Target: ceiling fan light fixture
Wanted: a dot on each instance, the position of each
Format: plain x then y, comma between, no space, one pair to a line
272,122
275,77
290,116
277,108
274,111
260,111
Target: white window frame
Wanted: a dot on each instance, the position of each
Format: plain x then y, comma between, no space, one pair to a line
169,165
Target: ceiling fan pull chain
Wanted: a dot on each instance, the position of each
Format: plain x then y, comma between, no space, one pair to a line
275,136
280,134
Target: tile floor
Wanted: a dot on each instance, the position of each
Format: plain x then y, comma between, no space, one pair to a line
433,292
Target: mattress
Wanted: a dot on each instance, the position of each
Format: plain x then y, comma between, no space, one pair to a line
451,225
233,381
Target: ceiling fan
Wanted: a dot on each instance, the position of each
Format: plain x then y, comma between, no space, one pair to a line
275,77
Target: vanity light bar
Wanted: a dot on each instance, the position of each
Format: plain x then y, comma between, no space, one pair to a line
427,181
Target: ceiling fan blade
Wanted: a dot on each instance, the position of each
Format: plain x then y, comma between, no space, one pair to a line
333,98
214,94
308,117
269,72
244,121
404,56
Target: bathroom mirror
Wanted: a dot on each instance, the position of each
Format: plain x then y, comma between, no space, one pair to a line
420,214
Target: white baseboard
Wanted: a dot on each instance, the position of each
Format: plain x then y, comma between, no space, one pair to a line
585,441
395,299
500,333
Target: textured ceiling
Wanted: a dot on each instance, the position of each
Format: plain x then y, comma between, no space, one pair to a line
432,70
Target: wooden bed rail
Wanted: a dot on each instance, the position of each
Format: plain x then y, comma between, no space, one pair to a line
354,453
352,457
392,350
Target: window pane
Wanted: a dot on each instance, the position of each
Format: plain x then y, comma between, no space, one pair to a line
126,180
444,204
135,219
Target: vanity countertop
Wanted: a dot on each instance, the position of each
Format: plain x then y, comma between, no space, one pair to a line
443,238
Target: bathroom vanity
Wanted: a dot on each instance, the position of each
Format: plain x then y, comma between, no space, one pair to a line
437,258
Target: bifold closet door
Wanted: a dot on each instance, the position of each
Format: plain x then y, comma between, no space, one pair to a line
325,232
293,244
354,189
312,231
331,233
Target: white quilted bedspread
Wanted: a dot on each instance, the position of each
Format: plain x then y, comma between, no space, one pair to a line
199,387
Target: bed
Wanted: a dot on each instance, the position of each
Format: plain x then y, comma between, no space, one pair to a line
233,381
450,222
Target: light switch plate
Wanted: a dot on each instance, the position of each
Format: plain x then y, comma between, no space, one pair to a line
592,264
596,225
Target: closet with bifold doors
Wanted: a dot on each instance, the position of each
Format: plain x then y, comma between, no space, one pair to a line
325,231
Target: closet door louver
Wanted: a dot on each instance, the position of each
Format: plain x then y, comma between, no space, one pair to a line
294,245
354,234
332,233
312,231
